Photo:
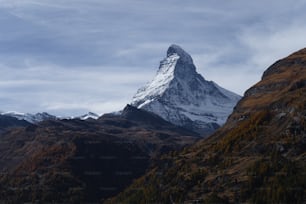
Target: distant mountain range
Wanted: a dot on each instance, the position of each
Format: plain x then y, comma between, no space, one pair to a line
39,117
31,118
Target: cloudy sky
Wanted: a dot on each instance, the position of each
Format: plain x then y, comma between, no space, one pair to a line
68,57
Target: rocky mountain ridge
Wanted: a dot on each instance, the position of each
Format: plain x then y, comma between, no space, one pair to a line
39,117
31,118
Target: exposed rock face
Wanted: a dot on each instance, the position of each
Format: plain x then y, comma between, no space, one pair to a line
183,97
283,78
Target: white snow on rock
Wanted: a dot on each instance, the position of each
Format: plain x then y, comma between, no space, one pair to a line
31,118
182,96
160,82
89,115
39,117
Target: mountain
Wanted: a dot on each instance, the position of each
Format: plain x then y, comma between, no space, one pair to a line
31,118
89,115
183,97
83,161
39,117
258,156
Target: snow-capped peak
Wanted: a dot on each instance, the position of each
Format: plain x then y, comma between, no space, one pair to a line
39,117
182,96
184,56
89,115
31,118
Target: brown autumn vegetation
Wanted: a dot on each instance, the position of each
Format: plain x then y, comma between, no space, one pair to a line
74,161
258,156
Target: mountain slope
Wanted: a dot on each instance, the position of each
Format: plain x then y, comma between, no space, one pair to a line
7,122
77,161
183,97
258,156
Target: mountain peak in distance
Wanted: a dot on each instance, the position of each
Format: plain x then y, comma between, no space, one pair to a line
183,97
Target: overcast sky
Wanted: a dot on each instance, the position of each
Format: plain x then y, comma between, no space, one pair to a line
68,57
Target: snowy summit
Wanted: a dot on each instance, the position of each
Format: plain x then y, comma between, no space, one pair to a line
31,118
182,96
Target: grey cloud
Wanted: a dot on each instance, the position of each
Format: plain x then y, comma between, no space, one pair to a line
69,56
